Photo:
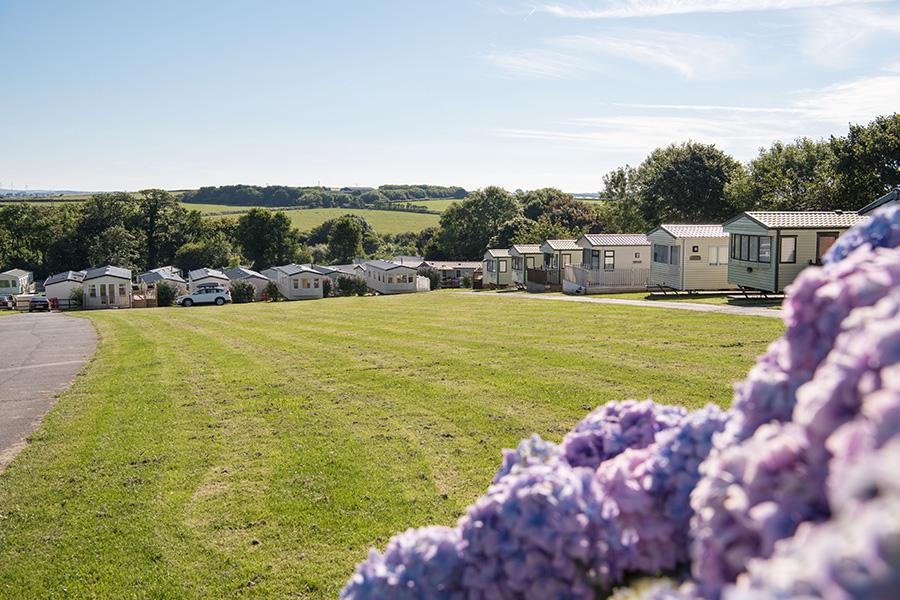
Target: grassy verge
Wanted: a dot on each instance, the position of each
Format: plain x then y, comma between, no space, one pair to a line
263,448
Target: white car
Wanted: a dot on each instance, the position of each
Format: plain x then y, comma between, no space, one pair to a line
205,295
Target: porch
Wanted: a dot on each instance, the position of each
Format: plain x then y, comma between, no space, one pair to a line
579,279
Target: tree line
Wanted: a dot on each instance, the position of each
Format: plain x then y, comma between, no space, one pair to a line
688,182
317,197
152,228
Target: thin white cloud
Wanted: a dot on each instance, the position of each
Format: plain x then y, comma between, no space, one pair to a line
691,56
712,107
835,37
625,9
741,130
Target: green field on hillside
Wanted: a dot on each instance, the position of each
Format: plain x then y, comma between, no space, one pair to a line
304,219
438,205
214,452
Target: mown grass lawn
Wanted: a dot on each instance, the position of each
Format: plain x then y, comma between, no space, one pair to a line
262,449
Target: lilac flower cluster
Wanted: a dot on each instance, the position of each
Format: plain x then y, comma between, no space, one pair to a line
751,495
530,452
530,536
616,426
798,481
419,563
856,554
818,303
882,230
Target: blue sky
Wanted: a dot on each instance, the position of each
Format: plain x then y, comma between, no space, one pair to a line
178,94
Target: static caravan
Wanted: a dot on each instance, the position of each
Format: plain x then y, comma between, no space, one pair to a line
353,270
559,254
689,257
206,277
257,280
452,272
297,282
770,248
415,262
107,287
16,281
61,285
892,198
386,277
168,275
524,257
496,268
610,262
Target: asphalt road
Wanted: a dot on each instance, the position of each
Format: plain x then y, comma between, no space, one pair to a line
40,354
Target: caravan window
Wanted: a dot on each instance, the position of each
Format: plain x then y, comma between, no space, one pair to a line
788,249
675,256
660,253
609,260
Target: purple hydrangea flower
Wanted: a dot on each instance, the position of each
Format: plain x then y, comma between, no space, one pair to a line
818,303
530,452
852,404
419,563
750,496
530,536
616,426
881,230
856,554
642,498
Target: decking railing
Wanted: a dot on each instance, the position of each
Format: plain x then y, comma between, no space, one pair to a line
600,278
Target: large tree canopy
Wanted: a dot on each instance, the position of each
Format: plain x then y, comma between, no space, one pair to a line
467,228
266,238
686,183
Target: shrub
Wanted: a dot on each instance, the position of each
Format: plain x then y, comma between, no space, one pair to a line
465,281
347,285
360,287
273,293
242,292
77,296
326,287
165,294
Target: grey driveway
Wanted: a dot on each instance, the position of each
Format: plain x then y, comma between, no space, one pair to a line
40,354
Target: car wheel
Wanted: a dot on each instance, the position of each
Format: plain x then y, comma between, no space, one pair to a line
220,301
187,302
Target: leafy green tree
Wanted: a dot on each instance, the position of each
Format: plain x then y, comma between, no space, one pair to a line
214,251
511,230
543,229
867,161
116,246
620,210
466,228
164,224
796,176
345,240
686,183
266,237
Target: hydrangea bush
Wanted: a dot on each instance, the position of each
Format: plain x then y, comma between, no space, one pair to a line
792,492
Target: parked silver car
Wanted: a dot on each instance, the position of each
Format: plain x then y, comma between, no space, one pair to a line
205,295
